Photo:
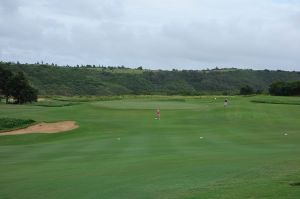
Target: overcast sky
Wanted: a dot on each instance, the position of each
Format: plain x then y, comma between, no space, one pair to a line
182,34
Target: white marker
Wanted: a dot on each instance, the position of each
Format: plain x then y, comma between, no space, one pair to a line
201,137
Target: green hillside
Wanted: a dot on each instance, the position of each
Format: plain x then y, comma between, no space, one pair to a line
88,80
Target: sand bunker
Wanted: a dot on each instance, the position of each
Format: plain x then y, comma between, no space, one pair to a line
45,128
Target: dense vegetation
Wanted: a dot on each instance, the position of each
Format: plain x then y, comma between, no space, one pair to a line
247,90
92,80
12,123
285,88
16,86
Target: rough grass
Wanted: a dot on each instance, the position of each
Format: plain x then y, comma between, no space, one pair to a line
13,123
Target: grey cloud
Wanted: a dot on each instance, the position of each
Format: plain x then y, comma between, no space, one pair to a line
157,34
9,6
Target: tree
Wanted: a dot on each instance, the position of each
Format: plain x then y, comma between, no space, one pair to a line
285,88
277,88
5,82
20,89
28,94
18,84
259,91
246,90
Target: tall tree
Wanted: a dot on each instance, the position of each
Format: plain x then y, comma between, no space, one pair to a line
5,82
21,90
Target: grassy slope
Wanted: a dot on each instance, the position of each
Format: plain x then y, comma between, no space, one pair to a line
70,81
244,153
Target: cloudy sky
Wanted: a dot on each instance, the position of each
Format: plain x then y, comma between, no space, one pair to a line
183,34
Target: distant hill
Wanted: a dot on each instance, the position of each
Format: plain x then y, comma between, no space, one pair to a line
89,80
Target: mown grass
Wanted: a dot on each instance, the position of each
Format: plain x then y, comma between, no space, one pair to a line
121,151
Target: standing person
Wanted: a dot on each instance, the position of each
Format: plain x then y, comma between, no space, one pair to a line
158,114
225,102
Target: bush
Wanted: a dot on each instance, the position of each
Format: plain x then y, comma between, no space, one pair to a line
246,90
11,123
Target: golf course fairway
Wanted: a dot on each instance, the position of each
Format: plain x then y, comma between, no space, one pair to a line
198,149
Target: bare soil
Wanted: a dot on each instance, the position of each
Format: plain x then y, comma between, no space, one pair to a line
45,128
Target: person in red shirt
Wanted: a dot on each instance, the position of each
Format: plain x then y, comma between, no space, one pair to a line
158,114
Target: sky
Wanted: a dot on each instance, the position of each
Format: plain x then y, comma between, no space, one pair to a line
155,34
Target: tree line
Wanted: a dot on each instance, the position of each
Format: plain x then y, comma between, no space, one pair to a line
285,88
16,86
279,88
107,81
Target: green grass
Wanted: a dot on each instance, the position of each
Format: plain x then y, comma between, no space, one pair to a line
54,103
277,100
243,154
13,123
86,98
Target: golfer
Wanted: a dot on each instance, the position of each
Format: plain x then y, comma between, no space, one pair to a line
158,114
225,102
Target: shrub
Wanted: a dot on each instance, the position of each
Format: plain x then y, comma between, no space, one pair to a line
11,123
246,90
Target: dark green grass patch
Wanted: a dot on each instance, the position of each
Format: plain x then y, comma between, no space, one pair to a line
54,103
295,183
277,100
13,123
87,98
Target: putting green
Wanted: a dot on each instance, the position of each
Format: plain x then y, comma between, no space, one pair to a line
121,151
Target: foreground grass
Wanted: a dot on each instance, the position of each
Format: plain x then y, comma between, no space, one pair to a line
121,151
